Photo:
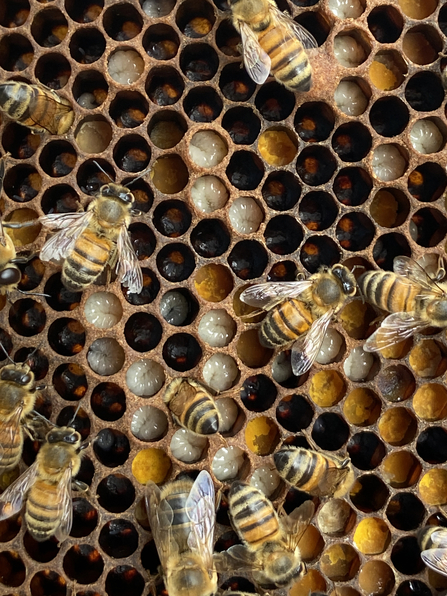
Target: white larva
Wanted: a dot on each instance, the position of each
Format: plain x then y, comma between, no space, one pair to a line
125,66
209,193
388,163
346,9
94,136
350,98
228,411
217,328
266,480
282,367
186,446
220,372
145,378
245,215
348,51
174,308
149,423
227,462
426,137
330,347
157,8
207,148
358,364
105,356
87,100
103,310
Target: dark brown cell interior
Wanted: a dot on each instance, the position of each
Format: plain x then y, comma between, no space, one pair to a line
20,141
132,154
142,239
43,552
182,352
195,18
424,92
199,62
90,177
175,262
14,15
59,298
83,563
85,518
66,336
385,23
245,170
283,235
352,141
314,121
317,210
48,582
427,182
84,11
430,227
58,158
125,578
49,27
22,183
370,493
389,116
283,271
70,381
161,42
16,52
172,218
318,251
53,70
27,317
202,104
352,186
242,125
366,450
164,86
143,332
405,512
14,569
90,82
122,22
115,493
274,102
118,538
151,287
87,45
36,360
388,247
248,259
129,109
111,447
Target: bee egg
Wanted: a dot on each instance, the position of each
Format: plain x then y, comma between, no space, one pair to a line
220,371
227,462
348,51
426,137
149,423
125,66
350,99
217,328
266,480
330,347
358,364
208,193
186,446
174,308
282,367
103,310
87,100
207,149
228,411
145,378
94,136
346,9
245,215
105,356
388,163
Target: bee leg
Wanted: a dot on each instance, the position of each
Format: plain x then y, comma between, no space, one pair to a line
79,485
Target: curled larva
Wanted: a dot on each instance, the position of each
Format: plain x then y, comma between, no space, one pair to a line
266,480
103,310
228,411
207,148
346,9
282,367
157,8
174,307
149,423
93,136
145,378
388,163
220,371
330,347
186,446
87,100
350,98
426,137
209,193
217,328
245,215
125,66
227,462
348,51
358,364
105,356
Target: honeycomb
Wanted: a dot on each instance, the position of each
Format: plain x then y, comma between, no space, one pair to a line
311,168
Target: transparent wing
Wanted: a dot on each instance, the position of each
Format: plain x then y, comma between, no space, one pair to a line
436,558
65,507
160,519
128,268
9,429
11,500
439,537
306,347
71,226
296,523
261,294
307,39
394,328
239,557
256,61
200,507
415,273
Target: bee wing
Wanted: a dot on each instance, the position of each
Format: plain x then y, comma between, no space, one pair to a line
439,537
11,500
296,523
261,295
394,328
160,517
9,429
238,557
128,267
256,61
71,226
306,347
200,507
415,273
307,39
65,506
436,559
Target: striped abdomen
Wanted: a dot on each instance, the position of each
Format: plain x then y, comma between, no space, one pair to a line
200,414
389,291
43,509
303,468
86,262
11,441
181,525
284,323
252,515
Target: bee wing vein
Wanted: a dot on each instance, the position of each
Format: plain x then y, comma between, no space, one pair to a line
256,60
128,267
306,348
12,499
71,226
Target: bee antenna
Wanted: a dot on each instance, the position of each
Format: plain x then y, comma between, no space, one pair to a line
7,355
103,171
70,423
139,176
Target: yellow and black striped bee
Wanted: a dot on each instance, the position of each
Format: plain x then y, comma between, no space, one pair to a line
415,299
300,311
273,42
433,543
319,474
192,406
270,541
39,108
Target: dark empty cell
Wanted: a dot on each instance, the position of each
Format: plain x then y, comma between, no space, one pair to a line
86,471
142,193
195,18
132,154
281,191
6,342
370,493
111,447
118,538
169,174
314,121
124,580
317,211
431,445
66,336
161,42
315,165
352,141
210,238
437,519
14,14
318,251
405,512
90,89
142,239
83,563
19,141
22,183
283,235
16,52
87,45
58,158
182,352
70,381
315,23
396,383
294,498
90,178
108,401
258,393
202,104
427,182
389,116
77,419
165,86
115,493
60,198
352,186
85,518
151,287
282,271
274,102
30,449
389,246
239,584
42,552
122,22
53,70
143,332
172,218
129,109
27,317
242,125
294,413
355,231
235,83
424,92
175,262
49,583
166,129
248,259
366,450
406,556
227,540
228,41
199,62
12,569
149,557
84,11
429,227
442,19
36,360
245,170
59,298
32,273
330,431
413,587
385,23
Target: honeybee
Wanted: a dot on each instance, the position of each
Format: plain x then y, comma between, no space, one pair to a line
46,486
39,108
433,543
270,548
301,309
319,474
415,299
182,519
273,41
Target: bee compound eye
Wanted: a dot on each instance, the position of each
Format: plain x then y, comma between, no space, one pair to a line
25,379
10,275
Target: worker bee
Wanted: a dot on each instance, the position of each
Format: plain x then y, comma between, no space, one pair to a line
39,108
192,406
46,486
182,519
415,299
301,309
270,541
273,41
313,472
433,543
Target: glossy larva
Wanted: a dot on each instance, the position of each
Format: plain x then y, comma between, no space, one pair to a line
207,149
228,411
348,51
103,310
245,215
282,367
174,308
186,446
266,480
105,356
217,328
388,163
149,423
157,8
346,9
209,193
125,66
426,137
330,347
227,462
87,100
358,364
145,378
220,372
350,98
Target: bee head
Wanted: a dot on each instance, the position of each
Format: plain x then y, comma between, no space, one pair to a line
117,191
64,434
346,278
17,373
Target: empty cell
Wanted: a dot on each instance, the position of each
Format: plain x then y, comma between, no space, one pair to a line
172,218
424,91
49,27
132,154
128,109
389,116
156,9
352,141
274,101
202,104
428,227
27,317
84,11
87,45
59,298
83,563
283,235
317,211
151,287
175,262
210,238
234,82
294,412
111,447
118,538
164,86
405,511
242,125
195,18
58,158
281,191
122,22
108,401
199,62
318,251
16,52
427,182
182,352
314,121
15,15
248,259
316,165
